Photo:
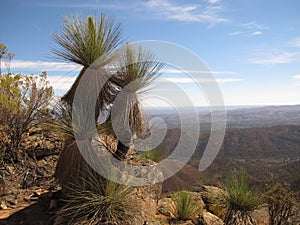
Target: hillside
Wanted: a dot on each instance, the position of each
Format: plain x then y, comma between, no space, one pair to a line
269,154
256,143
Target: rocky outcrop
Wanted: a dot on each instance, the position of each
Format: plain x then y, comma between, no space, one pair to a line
149,194
164,214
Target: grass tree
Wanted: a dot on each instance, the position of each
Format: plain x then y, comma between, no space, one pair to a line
184,206
239,200
130,70
137,68
82,41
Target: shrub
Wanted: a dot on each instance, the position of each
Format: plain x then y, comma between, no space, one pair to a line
185,206
24,102
281,204
156,154
101,202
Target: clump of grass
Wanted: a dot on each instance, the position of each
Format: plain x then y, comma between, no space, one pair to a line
184,206
239,200
101,202
155,155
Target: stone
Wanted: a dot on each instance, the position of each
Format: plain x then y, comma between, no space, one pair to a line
188,222
3,205
261,216
11,200
164,206
198,199
209,192
2,187
207,218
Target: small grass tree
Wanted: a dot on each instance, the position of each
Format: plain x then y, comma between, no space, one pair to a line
239,200
102,202
184,206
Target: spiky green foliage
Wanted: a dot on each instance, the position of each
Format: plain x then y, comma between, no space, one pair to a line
136,70
185,206
84,40
239,200
155,155
101,202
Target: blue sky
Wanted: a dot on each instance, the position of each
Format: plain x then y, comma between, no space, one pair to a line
252,46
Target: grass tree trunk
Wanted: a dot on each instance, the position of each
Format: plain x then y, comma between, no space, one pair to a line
237,217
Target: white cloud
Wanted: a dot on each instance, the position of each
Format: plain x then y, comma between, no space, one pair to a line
228,80
295,42
236,33
279,58
90,5
256,33
164,9
200,80
187,13
43,66
253,26
214,1
175,71
61,83
296,76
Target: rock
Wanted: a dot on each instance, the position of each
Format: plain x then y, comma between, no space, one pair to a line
2,186
207,218
148,195
188,222
11,200
13,191
28,198
261,216
164,206
3,205
198,199
217,210
209,192
153,223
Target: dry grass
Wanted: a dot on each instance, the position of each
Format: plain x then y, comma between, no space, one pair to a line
102,202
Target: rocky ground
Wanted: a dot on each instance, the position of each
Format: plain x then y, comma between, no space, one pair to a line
30,195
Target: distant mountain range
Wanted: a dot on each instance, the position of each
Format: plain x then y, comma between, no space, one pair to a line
237,116
263,141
